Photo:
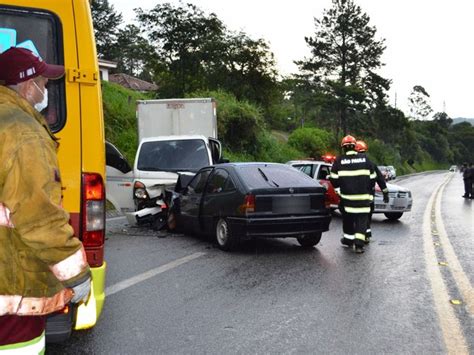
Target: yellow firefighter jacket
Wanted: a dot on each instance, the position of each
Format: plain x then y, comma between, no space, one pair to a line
40,259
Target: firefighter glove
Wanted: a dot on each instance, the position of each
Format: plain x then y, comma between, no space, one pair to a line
81,291
385,197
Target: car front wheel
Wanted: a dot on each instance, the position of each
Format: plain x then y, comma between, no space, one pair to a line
309,240
225,240
393,215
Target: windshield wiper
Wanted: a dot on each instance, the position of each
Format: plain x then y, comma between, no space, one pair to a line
263,174
266,178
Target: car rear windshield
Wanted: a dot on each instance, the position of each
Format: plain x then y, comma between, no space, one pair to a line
272,175
173,155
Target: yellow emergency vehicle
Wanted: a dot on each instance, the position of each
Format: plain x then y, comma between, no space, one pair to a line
61,32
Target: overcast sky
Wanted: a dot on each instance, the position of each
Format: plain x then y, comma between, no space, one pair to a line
429,42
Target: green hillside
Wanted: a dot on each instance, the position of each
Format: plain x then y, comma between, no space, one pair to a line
120,118
246,137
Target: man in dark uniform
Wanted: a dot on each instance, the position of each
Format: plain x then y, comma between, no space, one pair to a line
353,175
467,175
362,148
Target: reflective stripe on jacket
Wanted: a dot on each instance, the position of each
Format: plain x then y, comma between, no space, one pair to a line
40,259
354,175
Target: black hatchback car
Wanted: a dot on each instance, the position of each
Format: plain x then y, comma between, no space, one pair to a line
239,201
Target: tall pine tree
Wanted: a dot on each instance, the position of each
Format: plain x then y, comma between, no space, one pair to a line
344,58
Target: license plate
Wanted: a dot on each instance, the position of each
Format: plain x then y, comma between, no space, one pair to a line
399,203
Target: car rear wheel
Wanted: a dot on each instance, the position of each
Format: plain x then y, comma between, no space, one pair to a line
309,240
225,240
393,215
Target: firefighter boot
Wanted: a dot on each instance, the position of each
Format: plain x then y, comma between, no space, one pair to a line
347,242
368,235
358,246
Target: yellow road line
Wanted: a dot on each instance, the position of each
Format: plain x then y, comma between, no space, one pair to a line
452,333
462,281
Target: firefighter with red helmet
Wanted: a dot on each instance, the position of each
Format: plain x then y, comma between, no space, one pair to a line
353,175
361,148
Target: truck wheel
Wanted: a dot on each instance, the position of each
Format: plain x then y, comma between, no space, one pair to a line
225,240
393,216
309,240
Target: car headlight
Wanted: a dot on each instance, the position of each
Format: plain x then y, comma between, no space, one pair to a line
140,193
139,190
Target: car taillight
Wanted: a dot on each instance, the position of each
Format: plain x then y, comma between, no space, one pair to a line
327,199
93,217
248,205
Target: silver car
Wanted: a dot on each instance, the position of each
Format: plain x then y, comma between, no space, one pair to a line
400,201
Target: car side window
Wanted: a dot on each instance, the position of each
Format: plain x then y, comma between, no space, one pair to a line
115,159
199,182
217,182
323,172
229,184
307,169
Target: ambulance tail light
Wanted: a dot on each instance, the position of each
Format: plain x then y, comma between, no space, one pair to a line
93,217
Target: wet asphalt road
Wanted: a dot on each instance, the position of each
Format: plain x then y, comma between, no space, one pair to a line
272,296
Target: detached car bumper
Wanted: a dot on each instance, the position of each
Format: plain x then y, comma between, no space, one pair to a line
278,227
143,216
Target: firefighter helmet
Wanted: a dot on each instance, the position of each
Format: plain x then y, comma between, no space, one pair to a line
348,140
361,147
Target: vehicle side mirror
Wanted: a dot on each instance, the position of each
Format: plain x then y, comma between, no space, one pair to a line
328,176
223,160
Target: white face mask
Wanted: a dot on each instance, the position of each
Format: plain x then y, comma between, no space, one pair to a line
40,106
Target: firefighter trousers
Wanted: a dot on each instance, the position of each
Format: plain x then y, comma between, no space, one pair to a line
22,334
354,226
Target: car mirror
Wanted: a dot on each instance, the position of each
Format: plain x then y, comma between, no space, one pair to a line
223,161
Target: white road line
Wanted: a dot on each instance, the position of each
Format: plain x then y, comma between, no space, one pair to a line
455,267
122,285
452,333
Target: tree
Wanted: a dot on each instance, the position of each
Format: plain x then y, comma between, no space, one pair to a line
345,55
419,103
196,51
442,119
185,39
106,22
314,142
132,52
248,69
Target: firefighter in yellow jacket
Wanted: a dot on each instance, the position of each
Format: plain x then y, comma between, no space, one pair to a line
43,266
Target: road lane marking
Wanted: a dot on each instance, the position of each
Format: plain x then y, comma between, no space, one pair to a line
122,285
452,333
462,281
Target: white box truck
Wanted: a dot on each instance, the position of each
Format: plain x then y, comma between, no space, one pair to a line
176,136
175,117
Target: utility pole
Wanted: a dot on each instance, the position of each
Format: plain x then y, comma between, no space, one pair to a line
444,106
395,100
